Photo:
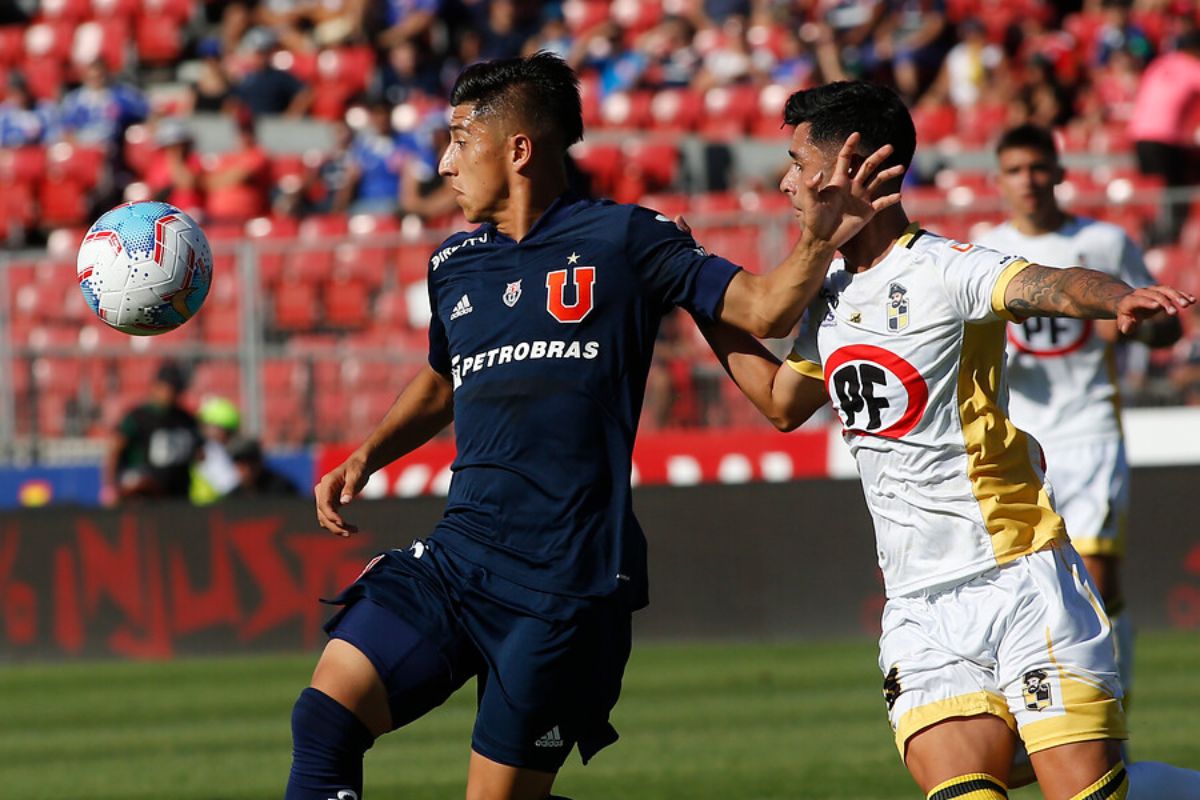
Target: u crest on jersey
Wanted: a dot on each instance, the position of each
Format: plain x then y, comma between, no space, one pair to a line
582,280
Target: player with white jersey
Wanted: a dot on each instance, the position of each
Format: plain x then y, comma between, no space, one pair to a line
992,631
1062,371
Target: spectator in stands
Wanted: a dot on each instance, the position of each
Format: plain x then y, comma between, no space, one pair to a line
401,19
423,191
1120,33
237,183
970,69
377,160
23,120
213,473
151,452
603,51
327,182
671,53
729,62
175,173
1041,99
211,90
1170,87
256,479
264,89
554,36
913,37
407,72
100,110
505,33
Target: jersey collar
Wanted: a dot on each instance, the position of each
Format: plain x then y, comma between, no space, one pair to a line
910,235
562,207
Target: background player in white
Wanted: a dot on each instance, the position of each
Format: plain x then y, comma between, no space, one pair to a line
1061,371
991,629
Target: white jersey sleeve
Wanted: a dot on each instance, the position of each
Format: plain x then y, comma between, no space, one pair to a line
975,279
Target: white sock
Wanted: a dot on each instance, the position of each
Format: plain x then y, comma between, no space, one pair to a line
1154,780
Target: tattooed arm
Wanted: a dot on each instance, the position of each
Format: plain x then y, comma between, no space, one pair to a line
1038,291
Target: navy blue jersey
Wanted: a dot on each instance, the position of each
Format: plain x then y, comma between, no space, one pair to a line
548,342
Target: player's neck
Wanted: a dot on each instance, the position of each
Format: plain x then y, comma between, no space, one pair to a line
872,244
527,201
1041,222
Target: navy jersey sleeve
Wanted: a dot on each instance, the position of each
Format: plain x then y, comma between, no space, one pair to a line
674,269
439,347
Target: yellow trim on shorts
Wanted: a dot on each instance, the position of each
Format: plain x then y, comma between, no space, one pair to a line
1013,501
808,369
974,704
1090,712
1001,288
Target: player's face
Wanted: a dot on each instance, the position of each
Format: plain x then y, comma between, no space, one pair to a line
474,164
807,160
1027,179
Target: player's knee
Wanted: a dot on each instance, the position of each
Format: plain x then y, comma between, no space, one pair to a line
1114,785
328,743
973,786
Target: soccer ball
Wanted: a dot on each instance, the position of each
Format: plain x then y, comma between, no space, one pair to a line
145,268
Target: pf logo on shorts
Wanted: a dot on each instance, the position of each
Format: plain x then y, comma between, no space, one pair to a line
1037,690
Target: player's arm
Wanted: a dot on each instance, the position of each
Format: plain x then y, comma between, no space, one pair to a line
1038,291
786,395
424,408
770,305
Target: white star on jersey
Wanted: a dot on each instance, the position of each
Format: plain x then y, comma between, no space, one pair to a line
573,258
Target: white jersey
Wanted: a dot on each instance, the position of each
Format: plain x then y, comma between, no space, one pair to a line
1062,375
912,354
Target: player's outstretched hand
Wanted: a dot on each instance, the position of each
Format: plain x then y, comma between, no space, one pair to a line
337,488
835,207
1141,304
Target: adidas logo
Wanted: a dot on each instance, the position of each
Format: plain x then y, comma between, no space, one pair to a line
552,739
462,308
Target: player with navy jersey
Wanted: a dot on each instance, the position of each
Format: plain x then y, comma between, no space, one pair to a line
543,322
992,631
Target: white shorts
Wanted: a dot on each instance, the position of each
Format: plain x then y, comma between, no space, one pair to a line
1091,492
1028,642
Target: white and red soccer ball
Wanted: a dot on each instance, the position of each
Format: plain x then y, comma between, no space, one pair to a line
145,268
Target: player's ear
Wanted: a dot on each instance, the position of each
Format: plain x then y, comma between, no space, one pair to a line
520,149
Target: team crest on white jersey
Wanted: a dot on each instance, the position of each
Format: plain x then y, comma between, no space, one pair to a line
1036,690
512,293
897,308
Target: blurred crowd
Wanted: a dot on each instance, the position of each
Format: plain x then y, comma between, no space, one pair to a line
110,100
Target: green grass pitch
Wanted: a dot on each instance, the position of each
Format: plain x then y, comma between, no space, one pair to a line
792,720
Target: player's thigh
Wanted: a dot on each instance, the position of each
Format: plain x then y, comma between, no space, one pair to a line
961,746
549,685
1105,573
1065,771
1057,663
346,674
491,780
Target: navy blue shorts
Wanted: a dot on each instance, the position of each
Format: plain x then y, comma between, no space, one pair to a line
549,667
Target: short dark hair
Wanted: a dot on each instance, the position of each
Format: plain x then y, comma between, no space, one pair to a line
839,109
541,90
1030,136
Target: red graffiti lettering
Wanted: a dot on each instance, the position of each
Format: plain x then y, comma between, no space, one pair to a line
68,618
282,598
1191,561
323,564
193,609
1183,607
20,600
154,640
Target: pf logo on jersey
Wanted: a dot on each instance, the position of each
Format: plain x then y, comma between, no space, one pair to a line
1050,336
875,391
556,293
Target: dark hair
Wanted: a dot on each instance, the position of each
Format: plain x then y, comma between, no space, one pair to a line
838,109
1033,137
540,90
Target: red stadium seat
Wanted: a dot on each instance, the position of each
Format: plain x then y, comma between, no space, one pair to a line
716,203
12,44
670,205
45,76
79,163
159,39
626,110
51,40
347,304
636,16
589,96
675,110
68,10
63,203
768,122
934,123
295,306
728,111
583,15
601,161
221,378
656,160
105,39
272,232
178,10
313,261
